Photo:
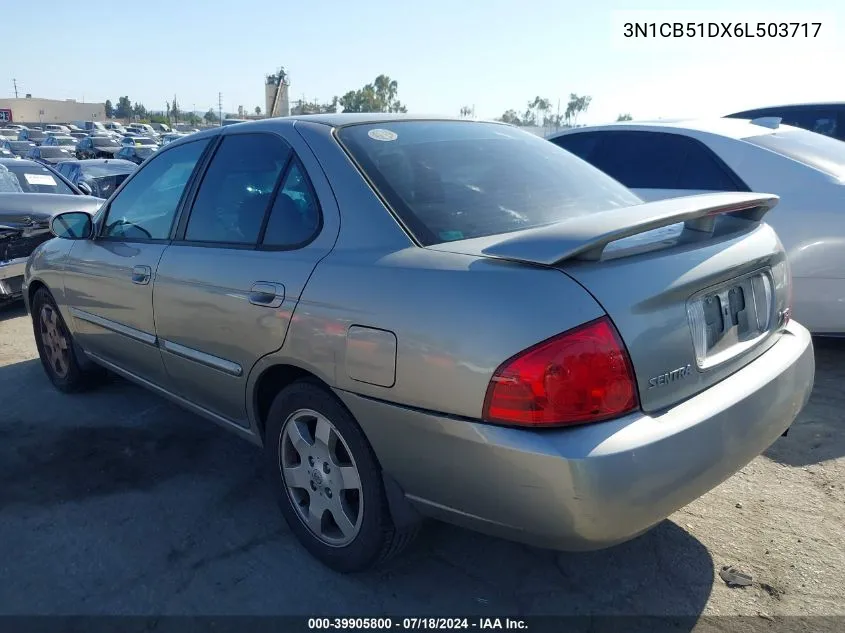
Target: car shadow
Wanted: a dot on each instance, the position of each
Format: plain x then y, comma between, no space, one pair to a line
12,310
818,434
176,505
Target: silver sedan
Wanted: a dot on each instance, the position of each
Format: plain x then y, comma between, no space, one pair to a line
433,318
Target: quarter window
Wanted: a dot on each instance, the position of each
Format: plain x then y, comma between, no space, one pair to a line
145,208
237,188
295,216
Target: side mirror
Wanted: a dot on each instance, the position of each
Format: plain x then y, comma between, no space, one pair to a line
85,188
73,225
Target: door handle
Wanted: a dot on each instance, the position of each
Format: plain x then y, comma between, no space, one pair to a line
141,275
267,294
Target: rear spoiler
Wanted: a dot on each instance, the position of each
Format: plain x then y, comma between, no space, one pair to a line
585,237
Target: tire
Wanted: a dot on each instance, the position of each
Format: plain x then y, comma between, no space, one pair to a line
297,412
56,348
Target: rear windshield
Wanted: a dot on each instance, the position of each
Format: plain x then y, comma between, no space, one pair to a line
816,150
98,170
51,151
33,178
452,180
102,141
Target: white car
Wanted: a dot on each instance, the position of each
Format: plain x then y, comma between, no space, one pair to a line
667,159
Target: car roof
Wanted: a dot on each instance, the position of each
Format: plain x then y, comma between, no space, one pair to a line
815,104
732,128
20,161
338,119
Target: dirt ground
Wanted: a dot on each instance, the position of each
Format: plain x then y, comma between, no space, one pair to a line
118,502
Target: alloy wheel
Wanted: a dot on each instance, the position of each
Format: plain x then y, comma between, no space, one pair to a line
55,341
321,477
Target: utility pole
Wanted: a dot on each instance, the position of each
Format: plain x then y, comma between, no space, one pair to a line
220,106
15,84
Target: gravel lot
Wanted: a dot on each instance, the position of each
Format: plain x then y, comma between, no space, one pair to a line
118,502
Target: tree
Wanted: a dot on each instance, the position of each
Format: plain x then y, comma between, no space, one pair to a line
123,109
313,107
139,110
536,112
109,109
210,116
625,117
466,111
510,116
577,105
174,110
379,96
257,110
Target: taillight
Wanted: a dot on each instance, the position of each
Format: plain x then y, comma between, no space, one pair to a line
582,375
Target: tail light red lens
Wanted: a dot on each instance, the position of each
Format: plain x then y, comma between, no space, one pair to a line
582,375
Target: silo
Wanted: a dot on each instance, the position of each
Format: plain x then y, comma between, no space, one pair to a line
276,98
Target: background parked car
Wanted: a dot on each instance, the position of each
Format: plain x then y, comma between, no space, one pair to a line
103,176
33,177
59,141
97,147
135,140
5,153
114,126
664,159
170,137
822,118
32,135
18,148
8,134
49,155
25,224
78,135
136,153
54,127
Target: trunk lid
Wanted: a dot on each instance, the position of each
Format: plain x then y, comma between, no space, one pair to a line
697,287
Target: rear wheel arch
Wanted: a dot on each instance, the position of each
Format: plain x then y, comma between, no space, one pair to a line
271,382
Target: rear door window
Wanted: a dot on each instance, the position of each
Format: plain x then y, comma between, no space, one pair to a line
451,180
236,189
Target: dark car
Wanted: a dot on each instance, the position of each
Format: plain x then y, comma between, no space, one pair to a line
103,176
34,136
24,224
49,155
97,147
137,153
29,176
18,148
822,118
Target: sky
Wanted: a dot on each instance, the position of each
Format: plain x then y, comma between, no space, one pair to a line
492,55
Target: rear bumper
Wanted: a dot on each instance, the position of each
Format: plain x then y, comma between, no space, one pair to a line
593,486
11,276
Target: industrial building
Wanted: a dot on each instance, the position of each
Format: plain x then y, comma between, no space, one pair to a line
31,110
